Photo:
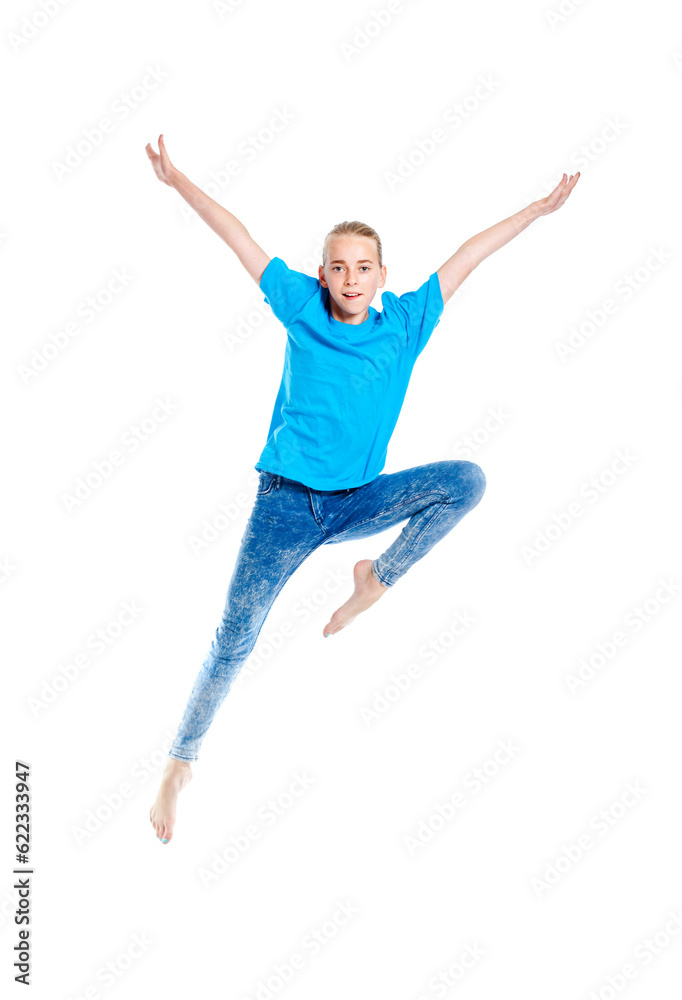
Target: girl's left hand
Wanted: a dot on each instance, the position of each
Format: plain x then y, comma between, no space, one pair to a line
558,196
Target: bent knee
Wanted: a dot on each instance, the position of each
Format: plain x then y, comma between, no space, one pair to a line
475,479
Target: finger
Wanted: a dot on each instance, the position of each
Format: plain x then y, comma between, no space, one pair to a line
558,190
569,187
153,156
165,159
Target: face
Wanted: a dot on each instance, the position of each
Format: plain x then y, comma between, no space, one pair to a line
352,275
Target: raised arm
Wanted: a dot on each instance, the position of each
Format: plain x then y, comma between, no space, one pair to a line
458,267
222,222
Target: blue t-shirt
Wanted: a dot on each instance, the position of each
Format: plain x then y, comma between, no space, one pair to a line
343,384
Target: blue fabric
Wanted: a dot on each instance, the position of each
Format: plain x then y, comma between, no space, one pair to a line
343,385
290,521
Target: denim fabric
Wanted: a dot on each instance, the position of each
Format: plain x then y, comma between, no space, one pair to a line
287,523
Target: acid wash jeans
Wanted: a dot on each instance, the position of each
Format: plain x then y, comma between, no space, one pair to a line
288,522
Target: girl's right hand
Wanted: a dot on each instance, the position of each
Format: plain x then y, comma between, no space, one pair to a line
163,168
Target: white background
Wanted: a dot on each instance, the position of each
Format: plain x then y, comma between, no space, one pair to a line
593,87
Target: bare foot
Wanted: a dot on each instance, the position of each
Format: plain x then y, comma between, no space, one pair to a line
176,775
367,592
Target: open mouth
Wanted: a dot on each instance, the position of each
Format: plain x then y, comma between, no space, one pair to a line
351,295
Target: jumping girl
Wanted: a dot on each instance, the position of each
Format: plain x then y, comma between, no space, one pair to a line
346,371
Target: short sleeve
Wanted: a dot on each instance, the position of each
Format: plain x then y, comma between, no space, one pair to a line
286,291
418,312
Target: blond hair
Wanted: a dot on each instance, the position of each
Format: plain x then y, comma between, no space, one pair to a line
350,229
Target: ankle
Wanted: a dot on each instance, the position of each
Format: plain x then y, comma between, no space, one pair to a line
175,766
